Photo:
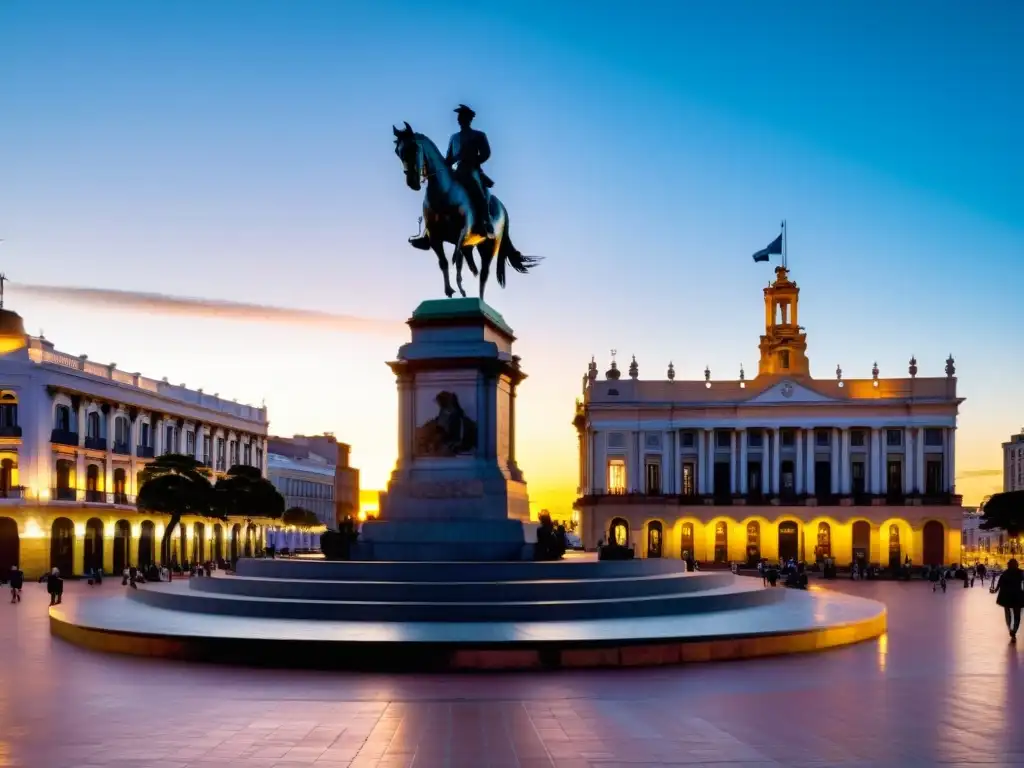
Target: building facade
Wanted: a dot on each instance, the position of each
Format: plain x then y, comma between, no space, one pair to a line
782,465
312,450
1013,463
306,483
74,438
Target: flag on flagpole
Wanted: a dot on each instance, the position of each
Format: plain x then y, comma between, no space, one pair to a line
774,248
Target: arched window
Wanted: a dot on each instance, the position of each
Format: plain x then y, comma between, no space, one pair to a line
9,416
618,533
122,436
92,425
62,418
92,484
788,541
64,490
686,542
654,538
894,546
120,486
721,542
824,548
753,542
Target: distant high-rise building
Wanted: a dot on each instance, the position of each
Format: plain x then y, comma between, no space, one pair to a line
1013,463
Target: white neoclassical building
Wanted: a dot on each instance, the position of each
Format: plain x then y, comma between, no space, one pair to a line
74,437
779,465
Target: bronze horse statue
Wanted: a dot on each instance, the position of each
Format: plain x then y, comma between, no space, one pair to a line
448,216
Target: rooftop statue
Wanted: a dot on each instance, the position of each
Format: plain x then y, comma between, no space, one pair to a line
457,206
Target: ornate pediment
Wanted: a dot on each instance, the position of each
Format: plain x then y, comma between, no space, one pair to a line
787,391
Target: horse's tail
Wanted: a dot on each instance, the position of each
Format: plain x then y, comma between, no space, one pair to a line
509,253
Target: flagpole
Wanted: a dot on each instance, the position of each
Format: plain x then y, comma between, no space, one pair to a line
784,263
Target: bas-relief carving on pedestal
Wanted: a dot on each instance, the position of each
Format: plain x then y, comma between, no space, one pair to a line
450,433
458,489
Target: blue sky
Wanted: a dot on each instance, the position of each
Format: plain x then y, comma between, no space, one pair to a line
242,150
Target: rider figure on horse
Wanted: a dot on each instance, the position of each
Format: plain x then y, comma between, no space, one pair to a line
468,150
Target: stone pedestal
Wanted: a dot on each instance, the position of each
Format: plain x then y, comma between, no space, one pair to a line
456,492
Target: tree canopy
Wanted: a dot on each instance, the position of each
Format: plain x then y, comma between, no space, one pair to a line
300,516
1004,511
244,492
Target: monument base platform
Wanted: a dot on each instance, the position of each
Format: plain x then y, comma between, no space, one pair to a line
446,540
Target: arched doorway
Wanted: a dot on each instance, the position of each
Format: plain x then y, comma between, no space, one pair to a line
199,542
147,544
93,559
895,555
721,542
236,534
654,538
934,536
6,477
182,544
64,491
92,483
10,544
62,546
618,532
249,533
218,542
861,535
824,546
788,541
753,542
122,545
686,542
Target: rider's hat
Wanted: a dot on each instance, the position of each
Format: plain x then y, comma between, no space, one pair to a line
462,109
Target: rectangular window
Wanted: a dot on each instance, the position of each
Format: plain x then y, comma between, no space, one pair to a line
221,459
144,439
755,438
247,454
787,438
616,439
894,438
858,478
616,476
652,441
722,438
784,359
894,477
259,458
823,438
169,441
857,438
933,437
933,477
190,443
653,478
207,442
687,438
689,474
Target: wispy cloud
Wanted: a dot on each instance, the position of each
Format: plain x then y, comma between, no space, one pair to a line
979,473
137,301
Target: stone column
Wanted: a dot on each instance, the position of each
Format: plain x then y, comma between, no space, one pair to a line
744,474
809,482
883,480
677,470
776,460
157,430
798,465
875,473
701,436
108,480
709,480
919,461
844,464
667,481
633,472
836,463
908,460
733,464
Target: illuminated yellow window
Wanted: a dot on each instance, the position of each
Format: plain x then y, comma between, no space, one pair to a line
617,476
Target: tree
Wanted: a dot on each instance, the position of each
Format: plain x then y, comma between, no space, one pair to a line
1004,511
245,493
300,517
175,484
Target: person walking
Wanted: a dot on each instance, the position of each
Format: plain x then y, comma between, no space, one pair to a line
16,578
1009,591
55,586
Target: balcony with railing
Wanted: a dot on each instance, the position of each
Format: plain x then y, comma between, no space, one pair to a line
17,492
87,496
65,494
10,430
96,443
145,451
64,437
123,449
788,499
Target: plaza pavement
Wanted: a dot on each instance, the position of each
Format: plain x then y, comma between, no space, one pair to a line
942,687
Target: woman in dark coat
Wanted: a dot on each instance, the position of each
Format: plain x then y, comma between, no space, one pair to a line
1010,595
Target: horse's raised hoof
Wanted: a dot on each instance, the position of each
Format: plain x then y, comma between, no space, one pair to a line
423,242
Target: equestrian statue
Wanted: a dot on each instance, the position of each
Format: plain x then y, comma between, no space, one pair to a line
457,207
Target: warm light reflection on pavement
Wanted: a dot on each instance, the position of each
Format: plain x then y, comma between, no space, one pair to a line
942,685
